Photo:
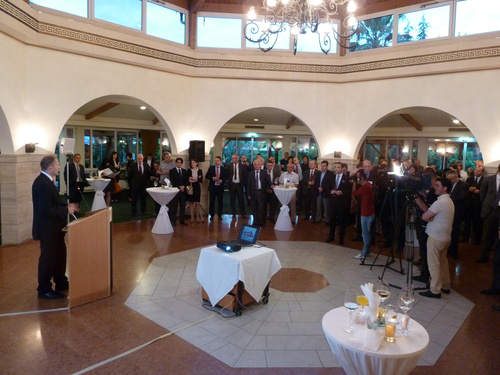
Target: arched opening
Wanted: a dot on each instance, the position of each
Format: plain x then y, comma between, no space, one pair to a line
267,131
428,134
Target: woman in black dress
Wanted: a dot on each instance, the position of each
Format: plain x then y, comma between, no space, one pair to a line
195,178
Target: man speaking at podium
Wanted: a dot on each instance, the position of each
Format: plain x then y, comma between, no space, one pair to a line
49,218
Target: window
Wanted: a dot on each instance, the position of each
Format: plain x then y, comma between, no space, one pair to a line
219,32
303,146
166,23
282,39
424,24
373,33
122,12
310,42
477,16
76,7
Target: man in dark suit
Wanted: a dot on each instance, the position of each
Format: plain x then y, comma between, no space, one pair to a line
217,175
458,192
473,207
308,191
490,194
236,178
341,198
49,218
178,178
257,185
324,184
77,180
139,177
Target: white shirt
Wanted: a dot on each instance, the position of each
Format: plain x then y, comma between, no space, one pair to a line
292,178
440,226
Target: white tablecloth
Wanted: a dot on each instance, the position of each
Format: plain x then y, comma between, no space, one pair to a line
284,195
219,271
98,184
397,358
162,197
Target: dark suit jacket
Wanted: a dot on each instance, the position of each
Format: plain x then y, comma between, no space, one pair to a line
488,195
458,197
211,173
139,181
306,188
179,179
345,187
242,173
265,182
328,183
473,198
49,213
72,173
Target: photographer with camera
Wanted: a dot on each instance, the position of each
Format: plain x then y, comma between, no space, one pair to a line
439,217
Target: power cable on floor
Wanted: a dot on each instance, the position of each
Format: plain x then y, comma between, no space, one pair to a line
139,347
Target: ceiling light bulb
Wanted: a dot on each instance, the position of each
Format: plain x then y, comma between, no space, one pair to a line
285,2
351,7
256,119
271,3
314,3
456,121
251,14
143,107
295,30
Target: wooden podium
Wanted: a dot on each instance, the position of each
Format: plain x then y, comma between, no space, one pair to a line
88,242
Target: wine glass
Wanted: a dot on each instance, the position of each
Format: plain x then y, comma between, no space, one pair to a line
383,290
351,305
155,183
405,303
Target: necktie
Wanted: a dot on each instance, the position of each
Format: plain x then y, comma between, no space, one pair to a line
296,169
140,168
235,172
257,179
312,174
338,182
77,167
217,172
498,196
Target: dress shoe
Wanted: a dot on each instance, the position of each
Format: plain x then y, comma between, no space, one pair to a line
430,294
421,279
445,291
482,260
496,307
51,295
490,291
329,239
62,288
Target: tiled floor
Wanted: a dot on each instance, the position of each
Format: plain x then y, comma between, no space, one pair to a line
286,332
68,341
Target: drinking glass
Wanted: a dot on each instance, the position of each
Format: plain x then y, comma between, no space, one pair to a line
383,290
391,318
405,303
362,300
155,183
351,305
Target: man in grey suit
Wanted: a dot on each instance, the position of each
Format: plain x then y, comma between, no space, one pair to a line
490,194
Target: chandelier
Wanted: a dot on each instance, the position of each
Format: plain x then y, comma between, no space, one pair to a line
317,16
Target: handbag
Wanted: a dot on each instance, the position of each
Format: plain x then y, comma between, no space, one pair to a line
189,189
118,188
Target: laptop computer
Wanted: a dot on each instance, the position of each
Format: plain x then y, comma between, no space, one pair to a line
247,237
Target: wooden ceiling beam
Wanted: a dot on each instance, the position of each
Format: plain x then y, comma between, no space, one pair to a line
195,5
290,122
155,121
412,121
102,109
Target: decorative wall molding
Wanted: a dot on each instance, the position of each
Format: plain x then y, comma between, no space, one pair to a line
338,69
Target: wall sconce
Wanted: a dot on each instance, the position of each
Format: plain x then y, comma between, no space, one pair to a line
337,154
29,148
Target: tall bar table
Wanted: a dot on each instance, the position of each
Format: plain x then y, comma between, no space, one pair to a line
284,223
98,184
162,196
